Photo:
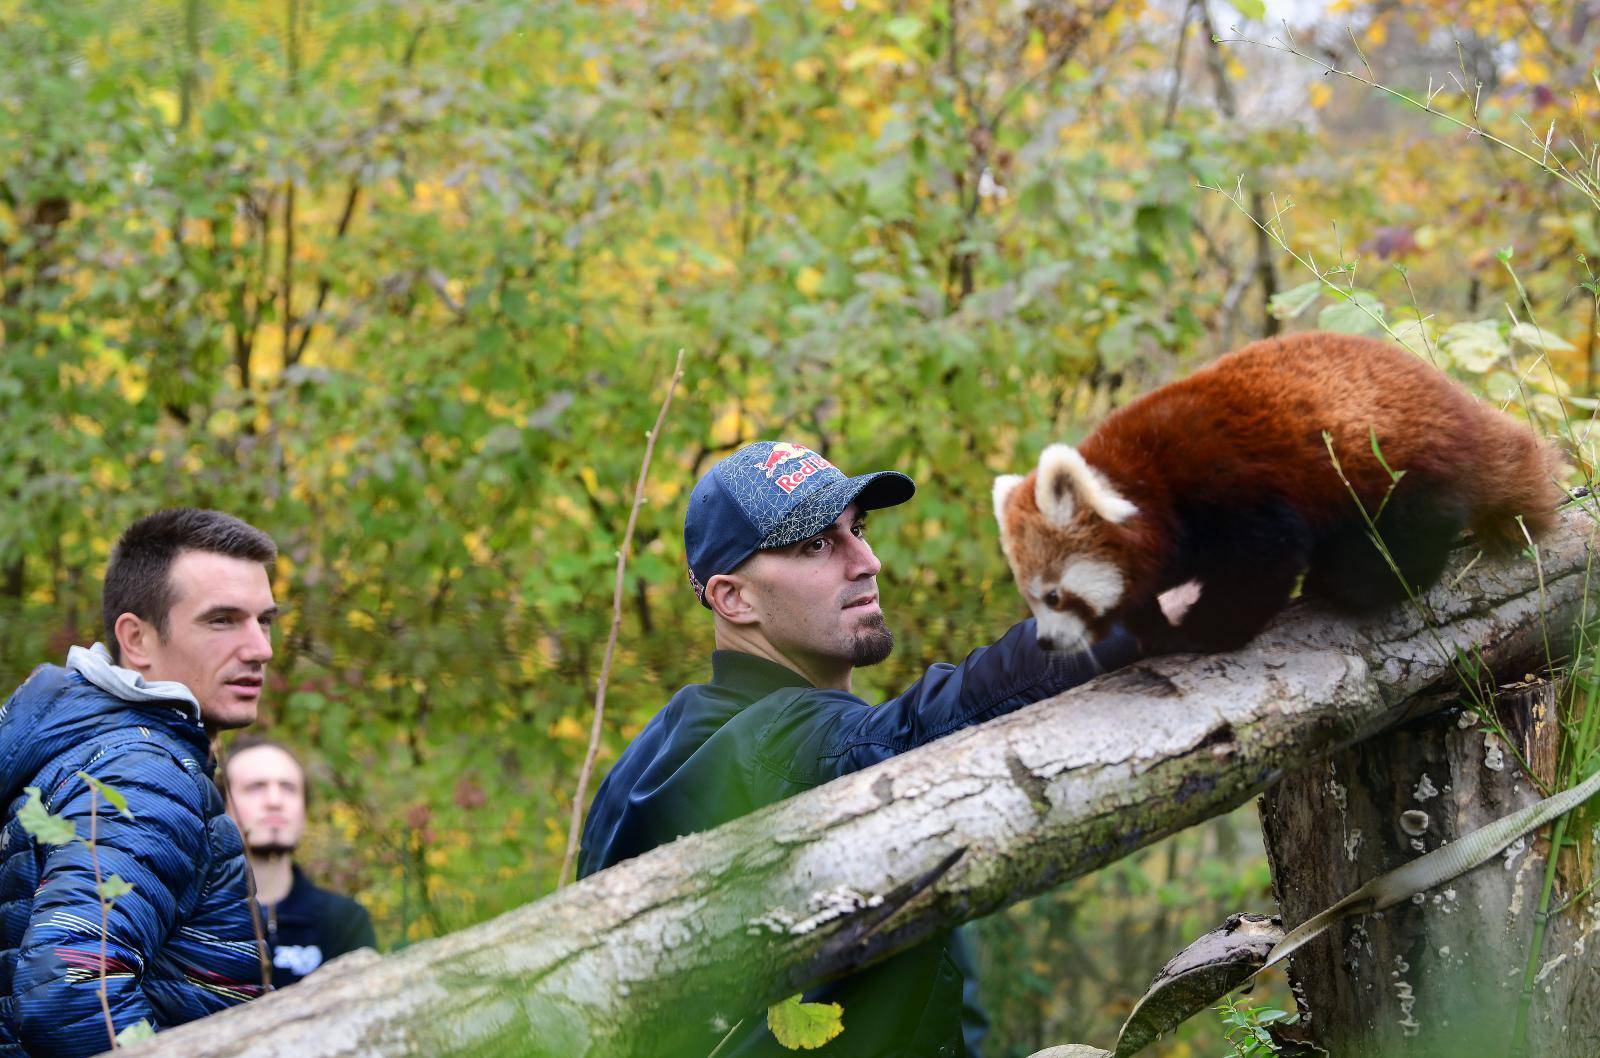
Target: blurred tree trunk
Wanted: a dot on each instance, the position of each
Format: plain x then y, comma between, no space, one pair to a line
20,274
1443,974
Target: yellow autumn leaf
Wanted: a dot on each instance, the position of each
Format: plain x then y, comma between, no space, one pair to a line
1378,32
727,425
804,1026
1319,93
870,55
166,101
1532,71
808,281
474,543
569,729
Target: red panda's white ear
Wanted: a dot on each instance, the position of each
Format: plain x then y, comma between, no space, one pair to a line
1066,479
1004,486
1054,488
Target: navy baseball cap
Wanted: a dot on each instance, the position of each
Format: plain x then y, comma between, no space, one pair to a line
772,494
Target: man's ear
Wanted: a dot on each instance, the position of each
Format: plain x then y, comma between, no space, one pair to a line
136,639
728,596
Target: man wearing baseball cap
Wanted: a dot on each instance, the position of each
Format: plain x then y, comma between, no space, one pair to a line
775,537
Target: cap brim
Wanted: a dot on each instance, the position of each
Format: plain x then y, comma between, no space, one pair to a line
885,488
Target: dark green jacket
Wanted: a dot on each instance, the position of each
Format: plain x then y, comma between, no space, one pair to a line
758,733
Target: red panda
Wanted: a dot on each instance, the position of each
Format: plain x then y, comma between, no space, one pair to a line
1224,478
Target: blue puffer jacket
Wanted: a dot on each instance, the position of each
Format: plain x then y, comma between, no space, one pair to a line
181,945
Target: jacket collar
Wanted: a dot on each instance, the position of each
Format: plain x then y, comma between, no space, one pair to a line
749,676
96,666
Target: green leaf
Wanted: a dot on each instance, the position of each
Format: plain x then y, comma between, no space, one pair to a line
1535,337
1290,303
1255,10
113,887
1501,387
45,828
1377,451
139,1030
1416,336
804,1026
905,30
1359,313
112,795
1118,344
1474,347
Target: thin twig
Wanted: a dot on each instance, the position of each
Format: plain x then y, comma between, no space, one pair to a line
105,918
1177,66
1560,172
616,624
221,757
724,1041
293,353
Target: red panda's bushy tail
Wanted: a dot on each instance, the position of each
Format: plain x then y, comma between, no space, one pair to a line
1520,474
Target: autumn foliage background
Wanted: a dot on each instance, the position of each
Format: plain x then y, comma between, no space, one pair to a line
402,282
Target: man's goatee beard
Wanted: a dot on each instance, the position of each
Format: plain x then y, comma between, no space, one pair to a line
267,852
872,644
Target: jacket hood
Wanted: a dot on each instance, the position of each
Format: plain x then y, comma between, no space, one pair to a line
96,666
59,708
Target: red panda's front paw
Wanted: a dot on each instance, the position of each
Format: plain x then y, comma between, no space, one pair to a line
1158,624
1176,602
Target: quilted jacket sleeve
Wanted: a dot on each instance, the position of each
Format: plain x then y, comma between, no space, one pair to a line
161,850
822,735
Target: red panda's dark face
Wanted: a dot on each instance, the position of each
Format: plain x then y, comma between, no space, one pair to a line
1063,531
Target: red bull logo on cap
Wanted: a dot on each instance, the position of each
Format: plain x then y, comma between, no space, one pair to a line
783,452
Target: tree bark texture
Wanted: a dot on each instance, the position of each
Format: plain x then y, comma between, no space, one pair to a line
663,953
1441,975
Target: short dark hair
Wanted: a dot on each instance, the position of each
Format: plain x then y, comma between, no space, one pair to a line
138,577
246,742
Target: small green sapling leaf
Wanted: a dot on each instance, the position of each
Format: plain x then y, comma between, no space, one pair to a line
114,887
112,795
139,1030
45,828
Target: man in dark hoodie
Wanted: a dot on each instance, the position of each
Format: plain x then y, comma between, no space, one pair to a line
775,536
305,924
188,607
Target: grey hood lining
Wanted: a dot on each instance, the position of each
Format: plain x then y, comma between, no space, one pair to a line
95,665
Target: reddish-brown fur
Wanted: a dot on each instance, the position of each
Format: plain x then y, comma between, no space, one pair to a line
1246,433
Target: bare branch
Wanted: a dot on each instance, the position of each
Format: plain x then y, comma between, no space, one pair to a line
582,794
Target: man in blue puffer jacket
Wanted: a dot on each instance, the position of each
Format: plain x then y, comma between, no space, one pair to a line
187,605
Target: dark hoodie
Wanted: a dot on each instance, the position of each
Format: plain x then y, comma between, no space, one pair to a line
181,944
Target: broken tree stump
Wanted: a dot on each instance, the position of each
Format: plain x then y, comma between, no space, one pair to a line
1442,974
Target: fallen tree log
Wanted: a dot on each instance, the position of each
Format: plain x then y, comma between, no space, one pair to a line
663,953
